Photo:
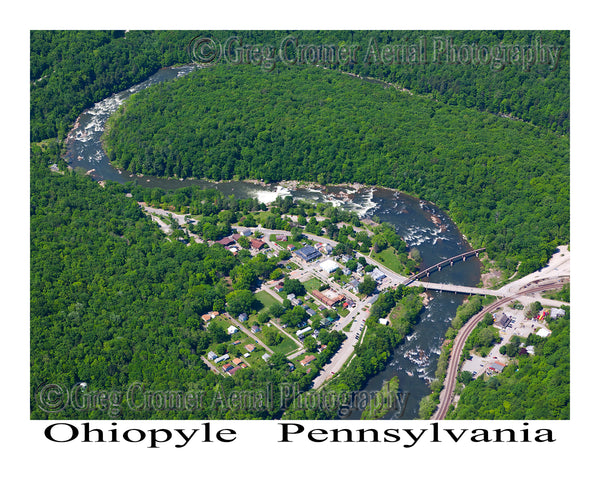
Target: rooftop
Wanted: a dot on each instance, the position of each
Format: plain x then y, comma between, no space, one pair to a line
308,253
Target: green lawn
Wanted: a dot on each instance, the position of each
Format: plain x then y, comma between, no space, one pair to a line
389,259
312,284
266,299
286,345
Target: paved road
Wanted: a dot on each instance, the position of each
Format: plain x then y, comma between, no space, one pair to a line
447,393
249,333
211,366
295,340
357,316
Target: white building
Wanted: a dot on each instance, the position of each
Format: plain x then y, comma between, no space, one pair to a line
377,275
543,332
232,329
329,266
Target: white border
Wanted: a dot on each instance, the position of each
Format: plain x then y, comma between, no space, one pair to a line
257,454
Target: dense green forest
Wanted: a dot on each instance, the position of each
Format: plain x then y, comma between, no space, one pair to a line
115,302
493,175
533,387
70,70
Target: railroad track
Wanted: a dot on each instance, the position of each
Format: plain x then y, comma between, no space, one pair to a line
447,392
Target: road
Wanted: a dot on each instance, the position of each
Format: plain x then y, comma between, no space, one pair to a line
181,220
357,317
447,393
249,333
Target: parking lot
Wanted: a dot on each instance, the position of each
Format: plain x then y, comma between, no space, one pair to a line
519,325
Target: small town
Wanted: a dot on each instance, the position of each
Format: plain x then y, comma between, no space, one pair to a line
323,288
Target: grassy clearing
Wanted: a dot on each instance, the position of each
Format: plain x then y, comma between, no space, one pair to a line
312,284
389,258
266,299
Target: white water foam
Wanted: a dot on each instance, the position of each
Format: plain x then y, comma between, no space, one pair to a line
266,197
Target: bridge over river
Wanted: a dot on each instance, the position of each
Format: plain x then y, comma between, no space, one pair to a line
446,287
438,266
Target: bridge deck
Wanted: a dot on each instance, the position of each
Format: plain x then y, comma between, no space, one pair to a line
443,263
445,287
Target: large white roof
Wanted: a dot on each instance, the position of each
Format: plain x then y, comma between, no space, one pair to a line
330,266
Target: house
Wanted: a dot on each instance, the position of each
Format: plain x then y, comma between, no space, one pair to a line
281,237
237,361
257,244
308,253
496,367
232,329
278,287
291,247
310,312
346,271
250,347
291,296
353,284
233,370
306,360
326,249
227,367
255,329
503,321
236,236
326,321
377,275
384,321
226,241
213,314
246,355
246,233
266,357
212,355
243,317
530,349
556,312
222,358
206,317
237,342
300,333
295,302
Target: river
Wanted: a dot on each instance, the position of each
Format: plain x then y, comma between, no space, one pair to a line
421,224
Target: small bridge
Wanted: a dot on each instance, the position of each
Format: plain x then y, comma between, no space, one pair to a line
438,266
446,287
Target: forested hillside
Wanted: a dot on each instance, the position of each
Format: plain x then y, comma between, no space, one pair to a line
115,302
493,175
70,70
